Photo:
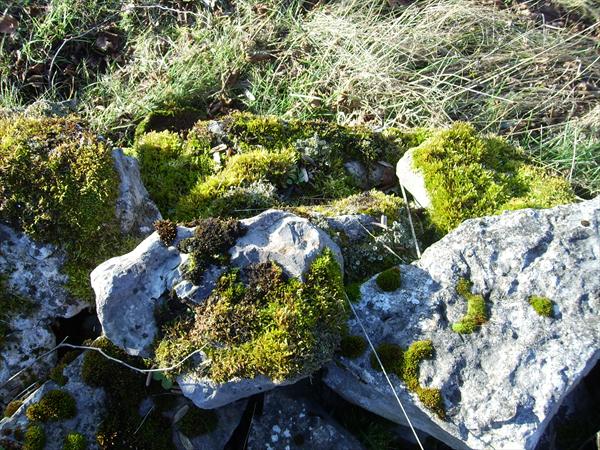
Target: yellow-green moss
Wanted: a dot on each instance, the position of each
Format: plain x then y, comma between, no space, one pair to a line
405,364
389,280
59,185
54,405
75,441
476,314
35,438
12,407
374,203
468,175
273,326
125,390
542,305
197,422
352,346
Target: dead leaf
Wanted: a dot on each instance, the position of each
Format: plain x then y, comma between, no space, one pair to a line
8,24
107,42
259,56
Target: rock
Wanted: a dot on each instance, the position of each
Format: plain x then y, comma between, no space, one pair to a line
135,210
33,272
380,175
502,384
358,171
128,288
288,421
412,180
90,411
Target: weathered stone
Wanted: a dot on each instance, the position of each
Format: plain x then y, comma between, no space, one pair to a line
90,403
128,288
412,180
134,209
502,384
288,421
33,272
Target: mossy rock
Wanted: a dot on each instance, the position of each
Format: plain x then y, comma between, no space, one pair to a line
60,185
35,438
257,321
54,405
470,175
75,441
262,162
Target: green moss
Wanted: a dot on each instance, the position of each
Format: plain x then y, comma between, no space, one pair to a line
198,421
353,291
273,326
59,182
477,313
35,438
11,304
125,390
54,405
75,441
352,346
374,203
389,280
56,375
405,364
542,305
12,407
468,175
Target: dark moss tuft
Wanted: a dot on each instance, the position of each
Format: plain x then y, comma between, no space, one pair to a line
353,291
542,305
54,405
389,280
12,407
35,438
198,421
352,346
167,231
75,441
391,356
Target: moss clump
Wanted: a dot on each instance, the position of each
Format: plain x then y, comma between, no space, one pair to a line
353,292
198,421
542,305
75,441
54,405
167,231
468,175
477,313
35,438
125,389
210,243
57,373
405,364
174,120
12,407
389,280
59,182
273,326
352,346
11,304
374,203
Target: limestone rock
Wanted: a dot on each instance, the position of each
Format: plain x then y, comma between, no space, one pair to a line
90,410
135,211
33,272
502,384
289,421
128,288
412,180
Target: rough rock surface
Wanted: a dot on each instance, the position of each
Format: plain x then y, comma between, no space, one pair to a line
288,421
33,272
412,179
90,410
502,384
128,287
229,417
134,209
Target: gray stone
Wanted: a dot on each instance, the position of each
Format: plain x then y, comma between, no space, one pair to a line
502,384
134,209
412,179
288,421
33,272
90,411
128,288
